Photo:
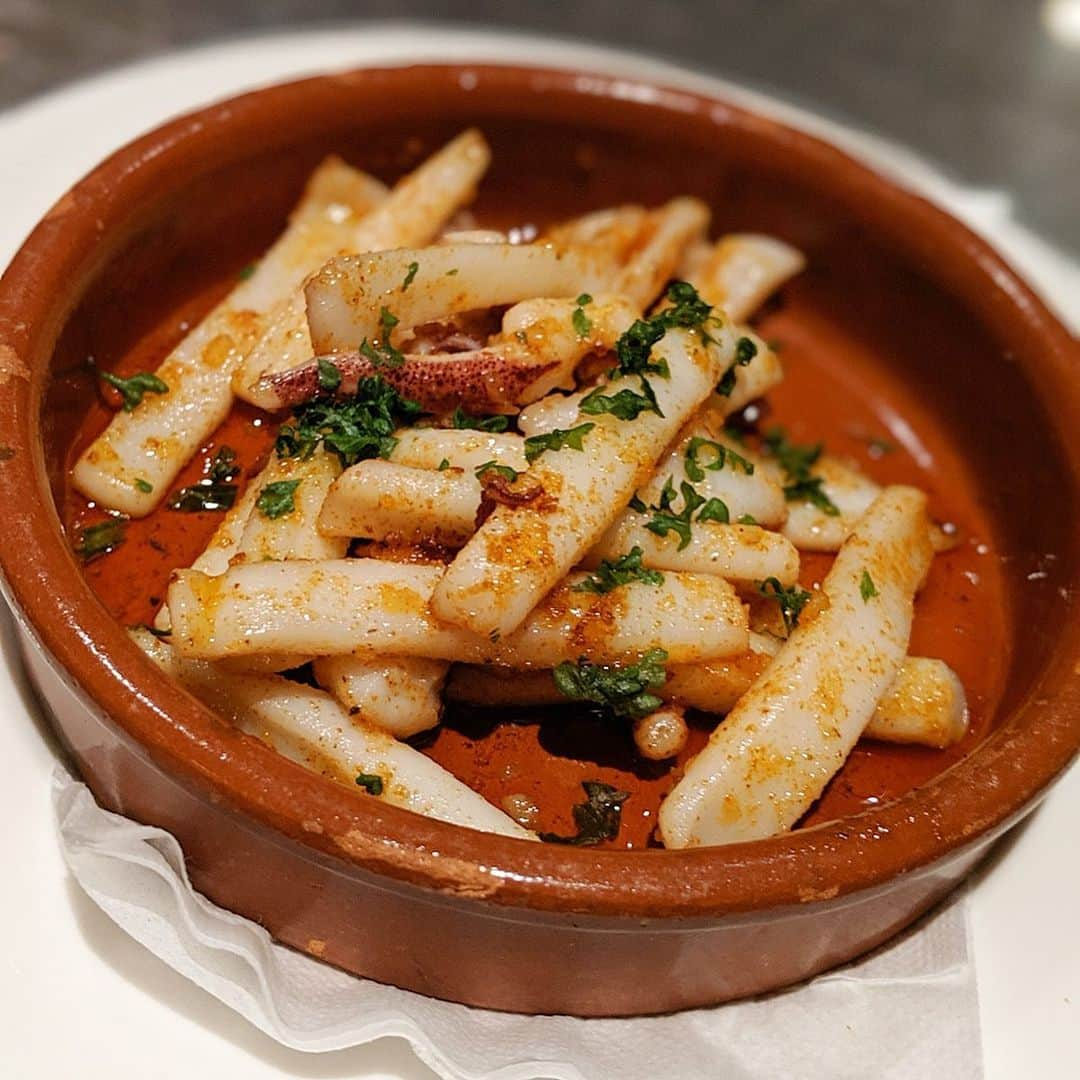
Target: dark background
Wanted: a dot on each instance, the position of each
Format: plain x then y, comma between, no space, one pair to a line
983,87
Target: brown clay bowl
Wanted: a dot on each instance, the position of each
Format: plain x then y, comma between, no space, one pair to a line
447,911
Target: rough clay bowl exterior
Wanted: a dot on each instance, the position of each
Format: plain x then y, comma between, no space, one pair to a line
454,913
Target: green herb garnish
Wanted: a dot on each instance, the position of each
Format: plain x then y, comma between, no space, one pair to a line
867,588
727,382
687,311
410,276
721,455
372,783
625,405
143,485
610,574
745,351
246,272
277,499
134,388
215,491
463,421
746,519
624,689
797,461
664,519
358,428
101,538
598,818
443,465
452,273
791,601
556,439
499,470
582,323
329,375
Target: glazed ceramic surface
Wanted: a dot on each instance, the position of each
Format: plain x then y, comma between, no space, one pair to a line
322,868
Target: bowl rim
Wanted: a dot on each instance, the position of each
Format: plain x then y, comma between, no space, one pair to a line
980,795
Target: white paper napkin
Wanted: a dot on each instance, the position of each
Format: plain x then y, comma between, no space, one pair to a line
908,1010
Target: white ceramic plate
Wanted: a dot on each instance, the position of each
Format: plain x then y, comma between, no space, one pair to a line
78,998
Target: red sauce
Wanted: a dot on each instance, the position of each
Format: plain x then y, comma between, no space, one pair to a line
835,390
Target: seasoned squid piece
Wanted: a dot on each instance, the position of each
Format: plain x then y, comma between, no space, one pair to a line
521,552
430,448
789,734
346,298
925,705
369,607
742,270
131,465
413,214
380,500
397,695
311,728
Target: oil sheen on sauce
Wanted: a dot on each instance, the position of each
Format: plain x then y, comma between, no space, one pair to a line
833,391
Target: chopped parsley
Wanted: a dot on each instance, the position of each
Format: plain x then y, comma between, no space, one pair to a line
746,519
101,538
463,421
797,461
215,491
625,405
745,351
452,273
358,428
727,382
372,783
721,455
382,352
665,520
444,465
143,485
410,276
867,588
499,470
610,574
687,311
246,272
556,439
582,323
277,499
598,818
624,689
791,601
329,375
134,388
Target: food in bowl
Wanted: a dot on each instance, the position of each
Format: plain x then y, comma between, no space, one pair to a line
522,468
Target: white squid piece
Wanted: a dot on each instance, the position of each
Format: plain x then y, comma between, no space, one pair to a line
293,535
374,608
131,465
741,270
397,695
345,298
380,500
809,527
416,209
311,728
521,552
740,553
428,448
790,733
